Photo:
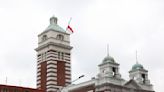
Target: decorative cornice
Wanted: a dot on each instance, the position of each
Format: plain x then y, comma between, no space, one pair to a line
53,38
143,70
54,44
52,30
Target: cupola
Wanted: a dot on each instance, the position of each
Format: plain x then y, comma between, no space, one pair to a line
137,66
54,26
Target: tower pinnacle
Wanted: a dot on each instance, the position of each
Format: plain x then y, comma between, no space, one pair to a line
136,57
107,49
53,20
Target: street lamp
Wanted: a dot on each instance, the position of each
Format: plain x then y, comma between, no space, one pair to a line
63,88
77,78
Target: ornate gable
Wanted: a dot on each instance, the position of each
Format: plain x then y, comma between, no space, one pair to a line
132,84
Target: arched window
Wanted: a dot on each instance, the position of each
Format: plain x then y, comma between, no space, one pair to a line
143,78
44,37
114,71
60,37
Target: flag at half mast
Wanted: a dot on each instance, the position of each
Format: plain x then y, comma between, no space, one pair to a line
69,28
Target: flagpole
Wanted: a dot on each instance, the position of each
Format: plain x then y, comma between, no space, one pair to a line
69,20
68,27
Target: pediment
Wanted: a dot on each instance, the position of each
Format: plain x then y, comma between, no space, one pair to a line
132,84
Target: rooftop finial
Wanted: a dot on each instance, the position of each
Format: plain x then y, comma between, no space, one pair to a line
108,49
53,20
136,57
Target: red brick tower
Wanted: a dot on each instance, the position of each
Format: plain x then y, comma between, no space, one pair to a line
53,58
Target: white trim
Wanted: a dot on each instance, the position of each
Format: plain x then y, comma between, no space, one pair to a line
67,72
54,62
52,53
38,70
38,82
51,83
67,61
68,80
68,58
38,66
38,86
41,62
53,78
38,73
49,58
48,86
51,74
67,64
67,55
50,65
67,76
51,89
38,78
39,59
51,69
67,68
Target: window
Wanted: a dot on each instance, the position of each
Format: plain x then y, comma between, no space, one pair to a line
61,55
58,55
114,71
60,37
143,78
43,56
44,37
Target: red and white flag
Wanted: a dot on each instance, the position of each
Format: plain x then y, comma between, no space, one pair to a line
69,29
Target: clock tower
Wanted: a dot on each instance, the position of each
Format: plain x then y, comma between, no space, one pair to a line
53,58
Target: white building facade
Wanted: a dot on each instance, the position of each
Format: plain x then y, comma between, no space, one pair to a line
109,79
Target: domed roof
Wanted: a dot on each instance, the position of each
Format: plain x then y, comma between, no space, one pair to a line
108,59
137,66
54,26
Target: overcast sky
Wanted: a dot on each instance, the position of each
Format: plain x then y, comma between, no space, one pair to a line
126,25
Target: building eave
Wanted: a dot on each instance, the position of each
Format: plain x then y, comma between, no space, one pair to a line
54,44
